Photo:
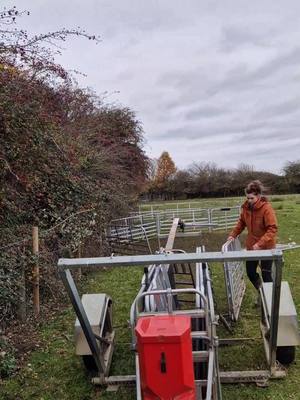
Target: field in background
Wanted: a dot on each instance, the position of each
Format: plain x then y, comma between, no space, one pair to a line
54,372
208,203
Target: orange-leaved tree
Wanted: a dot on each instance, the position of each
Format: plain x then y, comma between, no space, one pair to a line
165,170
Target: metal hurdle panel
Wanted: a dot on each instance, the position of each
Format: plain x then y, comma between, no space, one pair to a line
158,223
190,217
133,228
234,280
224,217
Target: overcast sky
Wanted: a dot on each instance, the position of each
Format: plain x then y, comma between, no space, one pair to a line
210,80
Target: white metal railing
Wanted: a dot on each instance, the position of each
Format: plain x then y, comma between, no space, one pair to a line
158,223
157,207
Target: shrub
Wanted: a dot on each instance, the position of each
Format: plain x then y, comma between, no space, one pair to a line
7,359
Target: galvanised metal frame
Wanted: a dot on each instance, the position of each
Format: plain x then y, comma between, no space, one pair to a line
203,284
234,280
66,265
69,284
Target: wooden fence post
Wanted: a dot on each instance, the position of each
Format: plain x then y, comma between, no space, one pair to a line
36,271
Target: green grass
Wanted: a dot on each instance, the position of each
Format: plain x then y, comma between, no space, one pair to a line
208,203
194,203
55,373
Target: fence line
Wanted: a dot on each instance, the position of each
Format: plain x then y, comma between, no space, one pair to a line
139,226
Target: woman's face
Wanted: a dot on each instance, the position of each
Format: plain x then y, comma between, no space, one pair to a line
252,198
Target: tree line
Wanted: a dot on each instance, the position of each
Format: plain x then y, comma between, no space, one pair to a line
165,181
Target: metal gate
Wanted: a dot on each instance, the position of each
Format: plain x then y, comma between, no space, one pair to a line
234,280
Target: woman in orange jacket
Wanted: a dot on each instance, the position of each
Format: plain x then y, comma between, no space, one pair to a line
259,217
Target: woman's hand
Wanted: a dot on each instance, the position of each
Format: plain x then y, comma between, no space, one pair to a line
256,247
230,239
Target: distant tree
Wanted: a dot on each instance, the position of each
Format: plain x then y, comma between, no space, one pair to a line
209,180
160,175
180,184
165,169
292,175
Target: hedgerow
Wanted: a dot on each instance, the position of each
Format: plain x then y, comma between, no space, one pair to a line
68,164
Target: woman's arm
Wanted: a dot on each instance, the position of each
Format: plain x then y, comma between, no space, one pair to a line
271,226
238,229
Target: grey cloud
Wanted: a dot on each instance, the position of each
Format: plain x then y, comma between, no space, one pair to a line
277,64
204,112
236,36
239,78
271,136
211,132
242,79
280,109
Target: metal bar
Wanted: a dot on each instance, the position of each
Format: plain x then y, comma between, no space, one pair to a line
138,379
197,313
275,312
172,292
200,224
198,334
217,371
147,240
251,376
115,380
67,263
210,375
264,308
226,377
237,341
83,319
244,376
200,355
158,227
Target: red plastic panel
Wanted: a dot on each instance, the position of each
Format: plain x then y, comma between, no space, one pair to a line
165,358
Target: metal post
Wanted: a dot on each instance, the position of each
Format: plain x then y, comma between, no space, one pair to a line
169,301
275,312
209,214
158,228
83,319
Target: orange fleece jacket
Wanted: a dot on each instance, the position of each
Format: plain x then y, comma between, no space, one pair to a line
261,224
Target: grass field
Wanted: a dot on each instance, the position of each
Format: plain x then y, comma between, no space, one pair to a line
54,372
